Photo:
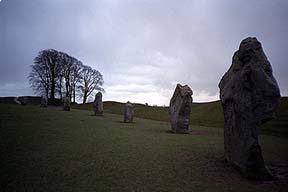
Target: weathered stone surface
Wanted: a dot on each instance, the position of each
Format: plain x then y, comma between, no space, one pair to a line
16,100
128,112
44,101
98,104
23,100
66,103
249,94
180,108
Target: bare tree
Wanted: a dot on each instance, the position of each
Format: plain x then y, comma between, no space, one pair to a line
46,62
66,70
59,85
54,72
75,77
39,77
91,80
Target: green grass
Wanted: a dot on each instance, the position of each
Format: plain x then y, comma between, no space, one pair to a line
204,114
47,149
279,125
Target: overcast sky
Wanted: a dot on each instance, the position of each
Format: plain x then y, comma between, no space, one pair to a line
143,48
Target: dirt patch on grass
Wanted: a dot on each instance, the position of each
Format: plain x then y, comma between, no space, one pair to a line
220,172
280,171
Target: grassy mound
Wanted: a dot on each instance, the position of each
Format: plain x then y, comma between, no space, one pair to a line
206,114
47,149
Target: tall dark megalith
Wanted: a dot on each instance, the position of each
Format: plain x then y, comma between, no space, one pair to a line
180,108
44,101
98,104
249,94
66,103
128,112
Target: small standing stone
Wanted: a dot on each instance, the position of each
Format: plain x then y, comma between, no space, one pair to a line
98,104
44,101
128,112
66,103
249,94
180,108
21,100
16,100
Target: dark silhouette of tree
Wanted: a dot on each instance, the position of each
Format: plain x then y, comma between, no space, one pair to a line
67,63
75,78
46,62
54,73
91,80
39,77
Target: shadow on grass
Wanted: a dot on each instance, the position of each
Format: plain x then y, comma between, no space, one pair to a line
191,132
126,122
220,171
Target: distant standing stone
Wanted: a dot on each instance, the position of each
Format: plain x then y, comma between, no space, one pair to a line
98,104
66,103
180,108
21,100
128,112
44,101
249,94
16,100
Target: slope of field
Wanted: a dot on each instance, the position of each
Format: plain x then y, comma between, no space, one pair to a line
30,100
204,114
47,149
279,125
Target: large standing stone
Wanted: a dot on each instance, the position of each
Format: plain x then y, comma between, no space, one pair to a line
128,112
66,103
249,94
44,101
180,108
98,104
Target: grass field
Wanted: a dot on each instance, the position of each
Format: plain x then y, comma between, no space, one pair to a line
204,114
47,149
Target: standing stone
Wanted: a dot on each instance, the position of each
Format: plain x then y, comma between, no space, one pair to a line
128,112
180,108
23,100
66,103
44,101
98,104
249,94
16,100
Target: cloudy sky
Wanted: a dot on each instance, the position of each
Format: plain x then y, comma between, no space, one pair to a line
143,48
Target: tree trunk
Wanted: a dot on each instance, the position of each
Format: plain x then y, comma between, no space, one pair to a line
74,96
84,97
60,89
47,92
67,89
52,94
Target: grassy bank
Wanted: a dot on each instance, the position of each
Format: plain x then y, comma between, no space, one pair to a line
204,114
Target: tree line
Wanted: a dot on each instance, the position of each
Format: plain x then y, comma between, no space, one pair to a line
56,74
